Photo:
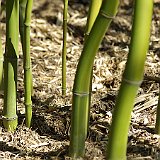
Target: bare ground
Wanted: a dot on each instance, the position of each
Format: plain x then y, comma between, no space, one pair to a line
48,137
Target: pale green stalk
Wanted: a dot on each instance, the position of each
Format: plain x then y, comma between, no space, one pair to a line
132,78
94,8
27,64
10,65
81,89
1,59
64,49
22,8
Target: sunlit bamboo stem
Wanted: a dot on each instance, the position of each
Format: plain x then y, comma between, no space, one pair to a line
64,49
27,63
81,89
10,65
22,9
94,8
1,59
132,78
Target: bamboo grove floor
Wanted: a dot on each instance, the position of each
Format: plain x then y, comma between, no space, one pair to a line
49,136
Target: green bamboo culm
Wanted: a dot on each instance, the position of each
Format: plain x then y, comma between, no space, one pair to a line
27,64
64,49
157,126
1,59
81,89
94,8
1,65
22,8
132,78
10,65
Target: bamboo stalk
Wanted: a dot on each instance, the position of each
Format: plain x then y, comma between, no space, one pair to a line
132,78
94,8
64,49
1,59
80,105
22,8
10,65
27,64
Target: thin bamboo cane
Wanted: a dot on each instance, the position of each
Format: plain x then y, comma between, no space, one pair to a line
1,59
27,64
80,105
64,49
22,9
94,8
10,65
132,78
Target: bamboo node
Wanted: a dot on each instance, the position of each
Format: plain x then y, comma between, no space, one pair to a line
86,34
27,68
104,14
28,105
27,24
81,94
134,83
10,118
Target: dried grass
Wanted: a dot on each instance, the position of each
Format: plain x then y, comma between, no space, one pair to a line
49,136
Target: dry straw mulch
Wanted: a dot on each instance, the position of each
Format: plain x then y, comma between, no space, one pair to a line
49,136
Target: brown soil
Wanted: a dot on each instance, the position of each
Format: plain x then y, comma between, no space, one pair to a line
48,137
